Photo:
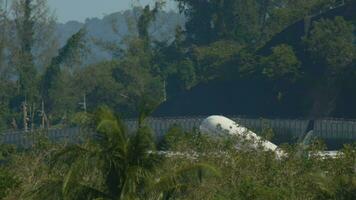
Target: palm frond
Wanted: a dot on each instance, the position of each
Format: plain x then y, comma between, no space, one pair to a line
68,155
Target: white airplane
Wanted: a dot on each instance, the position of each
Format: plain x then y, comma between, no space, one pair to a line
220,126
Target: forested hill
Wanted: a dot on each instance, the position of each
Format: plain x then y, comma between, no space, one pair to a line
115,27
267,92
210,64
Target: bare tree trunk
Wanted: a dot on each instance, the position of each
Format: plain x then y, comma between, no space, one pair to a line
32,116
25,118
42,116
14,124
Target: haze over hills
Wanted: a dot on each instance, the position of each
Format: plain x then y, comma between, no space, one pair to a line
162,29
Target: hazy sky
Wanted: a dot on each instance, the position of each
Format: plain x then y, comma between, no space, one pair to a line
79,10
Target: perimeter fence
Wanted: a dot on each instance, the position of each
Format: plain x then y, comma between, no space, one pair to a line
284,130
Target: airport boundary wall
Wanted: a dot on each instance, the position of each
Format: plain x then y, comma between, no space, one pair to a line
283,129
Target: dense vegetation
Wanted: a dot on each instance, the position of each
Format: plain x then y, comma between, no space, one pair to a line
116,164
44,85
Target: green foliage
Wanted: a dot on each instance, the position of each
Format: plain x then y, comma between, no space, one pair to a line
145,20
98,83
115,164
5,96
134,72
7,182
281,64
209,21
330,44
54,83
187,73
214,61
32,43
219,41
254,174
330,47
118,161
247,22
25,32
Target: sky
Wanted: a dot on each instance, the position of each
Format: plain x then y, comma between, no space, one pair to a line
79,10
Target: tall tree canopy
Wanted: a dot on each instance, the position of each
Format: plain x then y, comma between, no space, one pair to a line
33,42
330,44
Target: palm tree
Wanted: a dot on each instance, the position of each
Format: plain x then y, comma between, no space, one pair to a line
114,164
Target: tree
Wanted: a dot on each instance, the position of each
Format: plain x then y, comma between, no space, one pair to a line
7,84
281,64
100,86
135,72
145,20
247,22
330,45
209,21
3,35
242,21
32,43
54,83
115,164
30,28
215,60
